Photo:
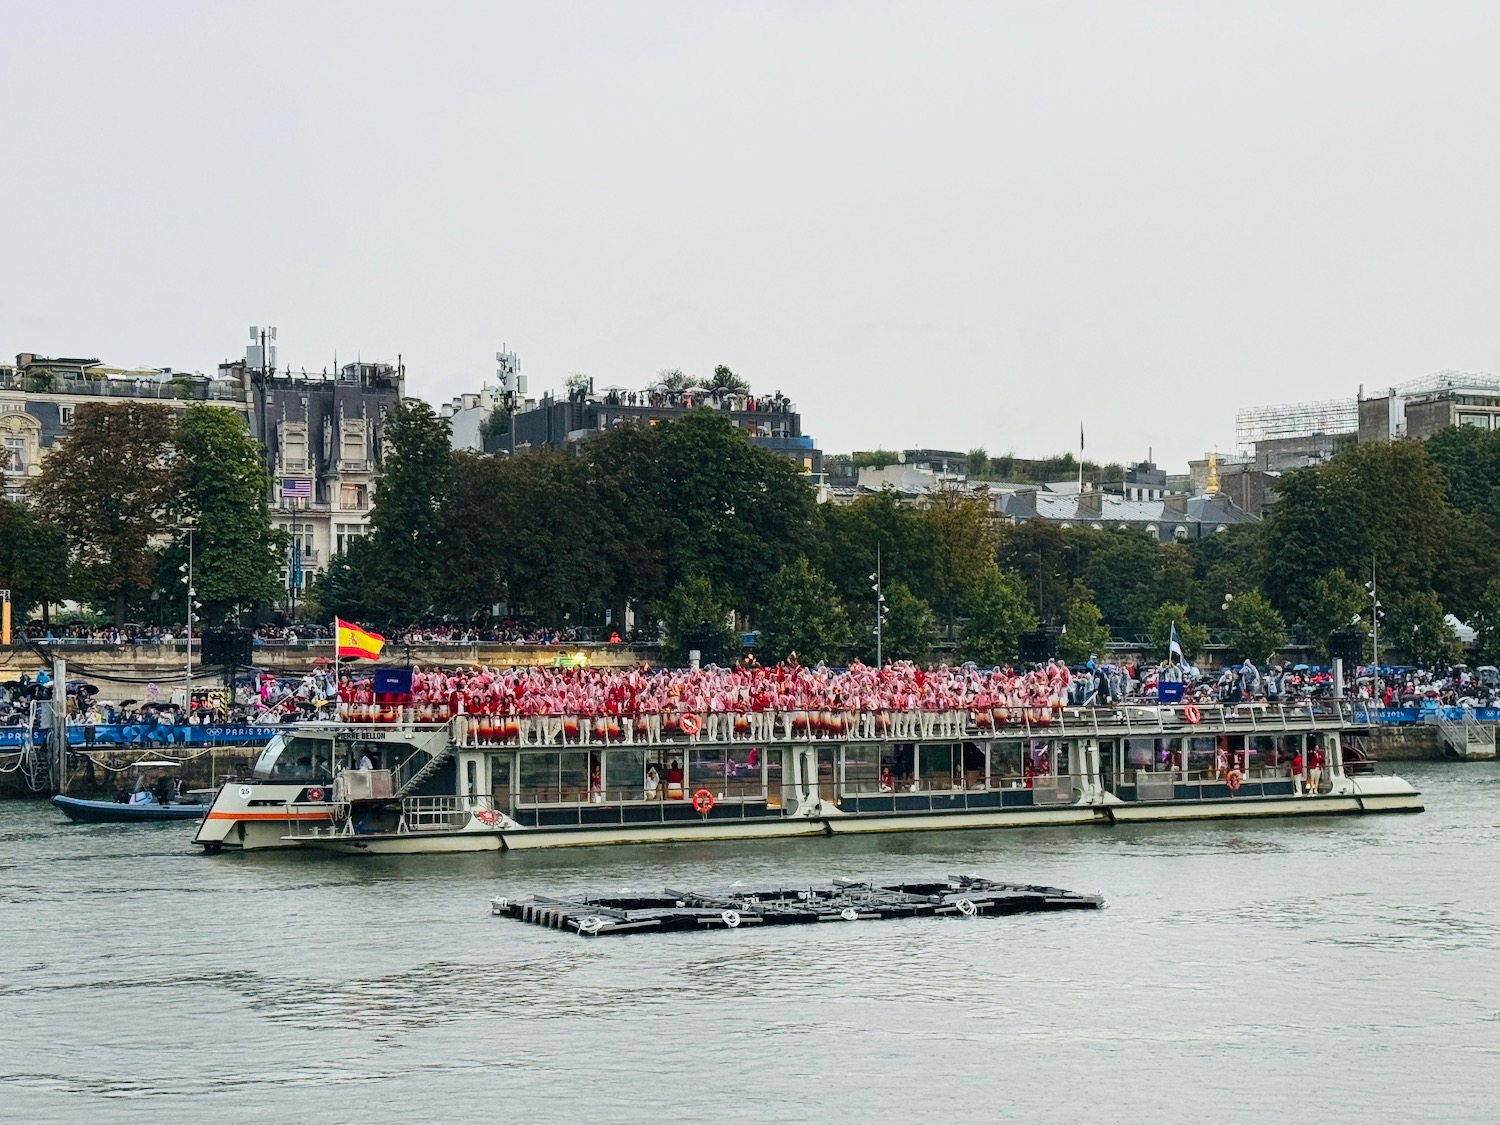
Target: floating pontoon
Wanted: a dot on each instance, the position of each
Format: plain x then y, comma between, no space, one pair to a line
842,900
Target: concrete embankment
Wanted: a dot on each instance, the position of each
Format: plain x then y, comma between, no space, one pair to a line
102,774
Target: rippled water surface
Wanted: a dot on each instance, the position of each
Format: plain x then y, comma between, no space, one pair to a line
1328,970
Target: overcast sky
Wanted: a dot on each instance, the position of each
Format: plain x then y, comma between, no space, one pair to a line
930,224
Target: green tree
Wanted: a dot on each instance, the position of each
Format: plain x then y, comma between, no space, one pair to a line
1486,622
873,458
407,529
674,380
910,630
1419,629
997,613
726,381
108,485
1084,632
1191,637
1380,502
1259,630
1124,572
222,485
730,511
802,616
690,610
963,548
1333,603
555,535
847,542
1049,560
977,463
34,562
342,588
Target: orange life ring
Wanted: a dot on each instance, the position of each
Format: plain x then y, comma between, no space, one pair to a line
689,724
1190,713
487,816
1233,779
703,800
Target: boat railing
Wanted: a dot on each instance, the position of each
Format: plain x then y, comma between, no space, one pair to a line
1135,719
436,814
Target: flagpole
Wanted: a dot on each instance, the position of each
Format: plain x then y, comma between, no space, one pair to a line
337,698
1080,458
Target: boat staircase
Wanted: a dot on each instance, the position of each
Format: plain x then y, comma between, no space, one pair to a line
421,771
1465,738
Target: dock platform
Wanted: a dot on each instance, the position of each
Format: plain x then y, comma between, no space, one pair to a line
841,900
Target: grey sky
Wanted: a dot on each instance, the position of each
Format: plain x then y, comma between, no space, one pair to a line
935,224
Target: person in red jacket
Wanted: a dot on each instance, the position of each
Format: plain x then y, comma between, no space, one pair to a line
1315,770
1297,774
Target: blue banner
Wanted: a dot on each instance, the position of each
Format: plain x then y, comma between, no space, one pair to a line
139,734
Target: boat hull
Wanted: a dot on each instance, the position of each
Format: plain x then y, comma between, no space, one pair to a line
115,812
526,839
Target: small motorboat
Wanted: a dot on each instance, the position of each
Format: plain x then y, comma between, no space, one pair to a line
155,797
124,812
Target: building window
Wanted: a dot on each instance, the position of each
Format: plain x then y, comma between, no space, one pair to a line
1220,528
354,497
1152,529
13,456
1179,532
344,534
67,415
1480,420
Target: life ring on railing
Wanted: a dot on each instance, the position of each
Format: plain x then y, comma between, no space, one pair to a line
486,816
1191,714
689,724
703,800
1233,779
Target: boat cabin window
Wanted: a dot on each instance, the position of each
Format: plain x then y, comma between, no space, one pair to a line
553,776
725,771
293,757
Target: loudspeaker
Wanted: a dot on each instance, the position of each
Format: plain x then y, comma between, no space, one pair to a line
1347,645
1038,647
226,647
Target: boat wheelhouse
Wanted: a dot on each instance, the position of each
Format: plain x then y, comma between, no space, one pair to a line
473,783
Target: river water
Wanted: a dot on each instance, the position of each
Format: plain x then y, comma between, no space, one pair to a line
1345,969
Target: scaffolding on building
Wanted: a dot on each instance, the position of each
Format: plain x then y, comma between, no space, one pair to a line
1294,419
1447,381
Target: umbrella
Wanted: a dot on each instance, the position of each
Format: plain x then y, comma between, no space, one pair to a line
1299,668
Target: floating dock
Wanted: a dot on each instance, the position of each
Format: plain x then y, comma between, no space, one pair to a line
842,900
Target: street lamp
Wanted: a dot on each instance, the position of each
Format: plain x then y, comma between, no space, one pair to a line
879,607
186,570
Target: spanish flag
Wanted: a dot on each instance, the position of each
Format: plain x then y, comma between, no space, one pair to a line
354,641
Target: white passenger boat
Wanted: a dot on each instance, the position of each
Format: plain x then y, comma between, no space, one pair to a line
482,784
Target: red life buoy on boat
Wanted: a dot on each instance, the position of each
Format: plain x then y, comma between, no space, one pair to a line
1233,781
703,800
1190,713
315,794
690,724
486,816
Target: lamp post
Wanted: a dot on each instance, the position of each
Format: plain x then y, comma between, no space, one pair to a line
1375,616
187,578
879,608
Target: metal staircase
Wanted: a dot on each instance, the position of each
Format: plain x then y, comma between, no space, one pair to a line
1465,737
427,769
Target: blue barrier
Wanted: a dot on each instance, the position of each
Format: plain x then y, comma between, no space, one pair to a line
134,734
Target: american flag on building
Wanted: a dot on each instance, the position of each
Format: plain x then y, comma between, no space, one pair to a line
296,490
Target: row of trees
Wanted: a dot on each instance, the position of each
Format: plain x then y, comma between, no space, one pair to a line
109,517
691,524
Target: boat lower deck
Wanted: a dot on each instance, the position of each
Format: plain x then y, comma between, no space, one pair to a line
837,823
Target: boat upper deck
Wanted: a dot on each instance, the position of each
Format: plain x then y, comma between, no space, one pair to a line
1130,720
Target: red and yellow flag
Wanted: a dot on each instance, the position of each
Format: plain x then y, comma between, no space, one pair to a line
354,641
